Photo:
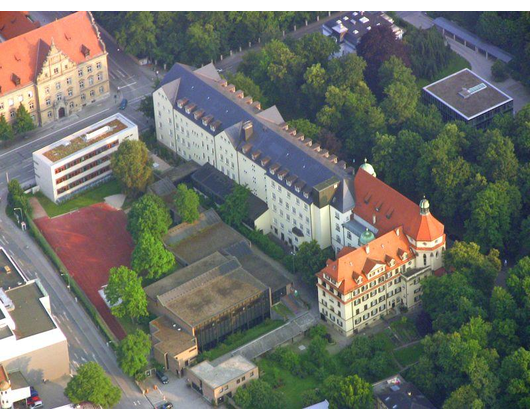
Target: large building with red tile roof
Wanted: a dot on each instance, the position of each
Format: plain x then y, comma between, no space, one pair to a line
53,70
385,248
13,24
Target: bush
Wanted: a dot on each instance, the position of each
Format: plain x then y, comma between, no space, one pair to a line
317,331
310,397
499,71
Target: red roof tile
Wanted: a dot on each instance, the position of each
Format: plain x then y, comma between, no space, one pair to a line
353,263
21,56
13,24
392,209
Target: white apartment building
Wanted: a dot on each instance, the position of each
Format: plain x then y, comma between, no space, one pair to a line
30,340
82,159
200,117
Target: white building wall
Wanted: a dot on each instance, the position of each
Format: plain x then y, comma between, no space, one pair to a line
321,225
164,119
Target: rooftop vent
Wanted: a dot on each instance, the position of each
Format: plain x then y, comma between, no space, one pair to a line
466,93
96,133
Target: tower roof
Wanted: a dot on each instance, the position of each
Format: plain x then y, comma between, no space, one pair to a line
366,237
368,168
376,200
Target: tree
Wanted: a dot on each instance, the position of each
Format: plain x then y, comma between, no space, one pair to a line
348,392
330,142
149,214
133,353
305,127
258,394
494,214
461,301
346,72
247,85
147,107
464,397
515,375
502,304
497,157
314,88
376,47
499,71
481,270
316,48
6,130
429,55
187,204
235,208
93,385
138,33
125,294
426,121
310,397
203,43
23,120
132,166
150,258
17,198
310,259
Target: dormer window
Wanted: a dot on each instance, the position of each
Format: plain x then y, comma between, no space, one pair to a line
306,194
85,51
280,177
297,189
289,183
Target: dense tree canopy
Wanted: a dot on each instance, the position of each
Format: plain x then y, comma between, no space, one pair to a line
235,208
149,214
348,392
133,352
92,384
150,258
125,294
187,204
132,166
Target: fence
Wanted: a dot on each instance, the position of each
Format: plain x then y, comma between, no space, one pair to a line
70,281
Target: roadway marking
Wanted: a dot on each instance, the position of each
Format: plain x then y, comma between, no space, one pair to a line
54,132
130,84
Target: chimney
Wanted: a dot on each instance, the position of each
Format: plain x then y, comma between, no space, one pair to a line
397,231
367,249
248,128
374,219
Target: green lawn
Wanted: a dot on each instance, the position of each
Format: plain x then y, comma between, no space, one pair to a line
282,310
93,196
130,326
457,63
291,386
385,335
405,331
409,355
238,339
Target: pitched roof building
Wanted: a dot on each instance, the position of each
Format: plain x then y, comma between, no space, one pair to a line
13,24
53,70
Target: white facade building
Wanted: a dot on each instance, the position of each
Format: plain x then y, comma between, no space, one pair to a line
200,117
82,159
30,339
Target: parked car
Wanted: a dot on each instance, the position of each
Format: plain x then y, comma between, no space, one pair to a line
162,377
165,405
34,403
123,104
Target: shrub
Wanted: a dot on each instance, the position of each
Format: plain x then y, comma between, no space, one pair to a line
499,71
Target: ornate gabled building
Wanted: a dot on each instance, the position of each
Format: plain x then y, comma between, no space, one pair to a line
380,267
53,70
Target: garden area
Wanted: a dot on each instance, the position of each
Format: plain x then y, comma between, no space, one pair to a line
296,374
85,199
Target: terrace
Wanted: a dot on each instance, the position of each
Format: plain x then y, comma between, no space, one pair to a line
69,147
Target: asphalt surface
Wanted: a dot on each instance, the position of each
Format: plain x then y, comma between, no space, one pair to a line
84,340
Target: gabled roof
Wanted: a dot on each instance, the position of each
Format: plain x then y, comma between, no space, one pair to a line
391,209
353,263
20,55
201,88
344,199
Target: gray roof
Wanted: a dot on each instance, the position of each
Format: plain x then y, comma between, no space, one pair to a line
212,182
396,393
357,28
452,27
450,91
218,374
12,278
357,228
205,91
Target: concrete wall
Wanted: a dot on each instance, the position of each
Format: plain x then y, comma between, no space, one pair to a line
50,362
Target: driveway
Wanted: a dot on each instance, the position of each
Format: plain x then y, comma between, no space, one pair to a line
176,392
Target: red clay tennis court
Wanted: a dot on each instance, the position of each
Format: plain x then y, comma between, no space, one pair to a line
90,242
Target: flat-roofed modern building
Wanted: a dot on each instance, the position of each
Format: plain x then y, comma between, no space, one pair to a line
465,96
30,340
82,159
221,378
210,299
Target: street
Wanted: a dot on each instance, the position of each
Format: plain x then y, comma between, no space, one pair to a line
84,340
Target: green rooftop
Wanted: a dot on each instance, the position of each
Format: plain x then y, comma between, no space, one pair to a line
69,147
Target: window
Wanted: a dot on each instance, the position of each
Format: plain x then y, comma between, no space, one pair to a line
100,77
31,105
89,69
102,89
69,81
81,84
71,105
1,105
55,70
30,94
92,93
91,80
11,102
49,114
70,92
20,98
47,90
59,96
80,72
424,259
12,113
48,101
83,96
98,65
58,85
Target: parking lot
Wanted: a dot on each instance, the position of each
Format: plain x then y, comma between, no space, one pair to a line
176,392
